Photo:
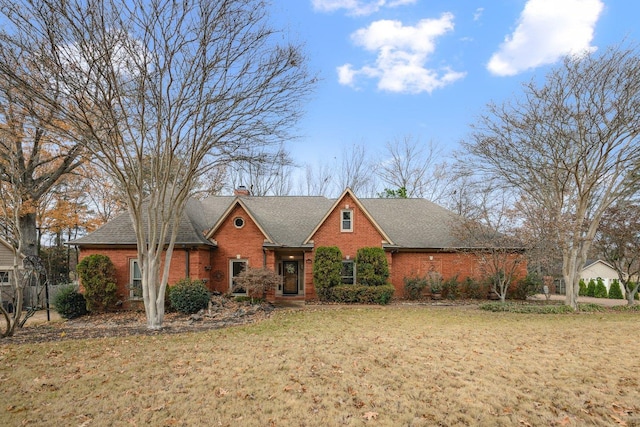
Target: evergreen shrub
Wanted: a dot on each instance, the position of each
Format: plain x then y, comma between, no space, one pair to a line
98,277
372,268
327,268
615,291
361,294
583,288
600,290
189,296
591,288
413,287
70,303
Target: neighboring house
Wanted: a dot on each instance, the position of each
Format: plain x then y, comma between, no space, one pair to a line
220,236
6,274
599,269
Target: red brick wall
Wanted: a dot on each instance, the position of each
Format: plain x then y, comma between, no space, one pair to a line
364,233
246,242
121,258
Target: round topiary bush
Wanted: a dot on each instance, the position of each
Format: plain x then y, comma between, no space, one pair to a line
70,303
189,296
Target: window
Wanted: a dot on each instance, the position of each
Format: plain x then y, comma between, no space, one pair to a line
238,222
4,277
348,273
236,267
135,275
346,220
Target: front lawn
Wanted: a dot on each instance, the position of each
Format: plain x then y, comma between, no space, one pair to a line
395,365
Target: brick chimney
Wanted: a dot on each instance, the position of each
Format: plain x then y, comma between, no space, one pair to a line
241,191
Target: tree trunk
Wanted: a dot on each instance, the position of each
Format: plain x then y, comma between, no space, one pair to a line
155,314
29,234
570,275
630,293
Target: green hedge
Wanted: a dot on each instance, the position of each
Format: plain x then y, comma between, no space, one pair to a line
360,294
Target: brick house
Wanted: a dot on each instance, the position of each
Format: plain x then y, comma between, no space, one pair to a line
221,235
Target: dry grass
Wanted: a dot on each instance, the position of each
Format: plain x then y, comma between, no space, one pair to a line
401,366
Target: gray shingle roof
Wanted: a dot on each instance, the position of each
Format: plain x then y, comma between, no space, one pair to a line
119,231
413,223
288,220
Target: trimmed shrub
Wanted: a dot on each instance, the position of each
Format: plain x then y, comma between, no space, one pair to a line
473,289
451,288
189,296
582,292
371,267
70,303
511,307
361,294
98,277
591,288
615,291
327,266
530,285
600,290
257,282
413,287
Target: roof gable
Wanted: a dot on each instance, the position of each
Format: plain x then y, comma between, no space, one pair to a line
237,203
349,194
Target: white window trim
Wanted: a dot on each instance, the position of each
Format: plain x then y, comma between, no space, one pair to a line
352,262
231,262
342,229
132,263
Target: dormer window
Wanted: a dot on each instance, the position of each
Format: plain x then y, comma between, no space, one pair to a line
346,220
238,222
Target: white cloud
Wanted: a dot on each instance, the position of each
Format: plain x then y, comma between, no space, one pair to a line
402,56
547,30
478,13
357,7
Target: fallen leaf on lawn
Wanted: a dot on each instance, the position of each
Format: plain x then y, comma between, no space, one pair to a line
370,416
618,420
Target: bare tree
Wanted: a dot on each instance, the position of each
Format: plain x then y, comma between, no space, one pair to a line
264,172
162,92
618,242
355,171
33,154
318,180
492,236
570,145
416,167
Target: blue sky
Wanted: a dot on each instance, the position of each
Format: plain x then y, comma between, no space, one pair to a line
426,68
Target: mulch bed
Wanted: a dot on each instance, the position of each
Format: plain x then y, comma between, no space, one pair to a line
223,312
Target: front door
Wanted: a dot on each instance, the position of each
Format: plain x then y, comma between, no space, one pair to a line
290,277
